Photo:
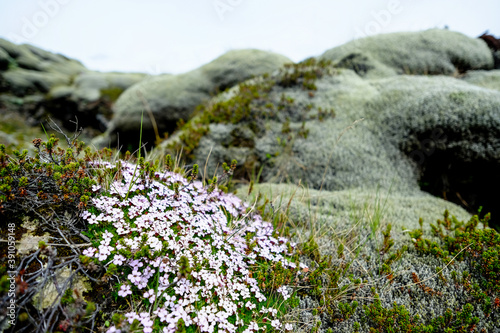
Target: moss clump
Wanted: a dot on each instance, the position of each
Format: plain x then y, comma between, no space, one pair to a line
112,93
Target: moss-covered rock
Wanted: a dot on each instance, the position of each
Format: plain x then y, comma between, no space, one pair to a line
485,79
402,116
169,99
22,82
431,52
239,65
90,97
358,148
68,89
91,86
335,210
33,58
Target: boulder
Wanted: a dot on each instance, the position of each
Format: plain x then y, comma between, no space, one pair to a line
11,48
431,52
168,99
340,210
239,65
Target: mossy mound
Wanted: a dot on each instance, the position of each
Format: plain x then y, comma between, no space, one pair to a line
167,99
431,52
23,82
408,121
90,96
485,79
33,58
49,84
382,263
91,86
334,210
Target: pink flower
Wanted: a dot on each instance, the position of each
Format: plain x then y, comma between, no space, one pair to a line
150,294
125,290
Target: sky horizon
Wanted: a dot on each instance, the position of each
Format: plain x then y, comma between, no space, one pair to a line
157,36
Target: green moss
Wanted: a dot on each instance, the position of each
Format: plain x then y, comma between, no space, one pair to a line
12,64
111,93
67,298
458,97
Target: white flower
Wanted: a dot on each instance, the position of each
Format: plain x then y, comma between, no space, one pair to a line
276,323
124,290
284,292
150,294
178,219
89,252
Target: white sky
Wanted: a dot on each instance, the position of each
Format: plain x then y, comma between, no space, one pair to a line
174,36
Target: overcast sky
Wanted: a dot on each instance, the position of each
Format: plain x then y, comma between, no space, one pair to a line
174,36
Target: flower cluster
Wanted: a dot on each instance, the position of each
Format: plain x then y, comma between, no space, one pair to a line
186,253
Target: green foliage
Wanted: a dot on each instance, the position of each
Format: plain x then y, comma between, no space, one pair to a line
388,242
184,269
463,241
398,319
384,250
311,249
55,177
347,309
77,312
67,297
303,74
